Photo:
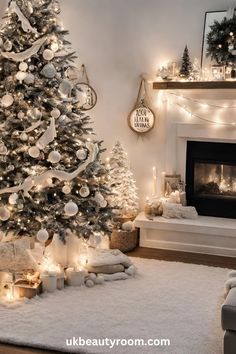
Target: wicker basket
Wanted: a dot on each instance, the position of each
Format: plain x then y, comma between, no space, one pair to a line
125,241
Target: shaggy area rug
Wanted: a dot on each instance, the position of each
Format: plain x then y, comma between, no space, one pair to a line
175,301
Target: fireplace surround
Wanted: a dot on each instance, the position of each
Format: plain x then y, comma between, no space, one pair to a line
211,178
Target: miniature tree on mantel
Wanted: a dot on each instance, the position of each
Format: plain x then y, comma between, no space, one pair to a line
51,175
122,183
186,65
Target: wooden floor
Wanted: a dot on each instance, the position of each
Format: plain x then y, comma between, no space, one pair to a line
185,257
171,256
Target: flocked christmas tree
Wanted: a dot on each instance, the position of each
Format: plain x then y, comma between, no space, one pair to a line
186,65
122,183
51,175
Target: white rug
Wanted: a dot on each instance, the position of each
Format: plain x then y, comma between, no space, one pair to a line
175,301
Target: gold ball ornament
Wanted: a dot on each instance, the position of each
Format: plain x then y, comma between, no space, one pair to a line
71,208
48,54
4,214
7,100
66,189
42,235
54,157
34,152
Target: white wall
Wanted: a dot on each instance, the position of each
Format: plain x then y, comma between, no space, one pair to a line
120,39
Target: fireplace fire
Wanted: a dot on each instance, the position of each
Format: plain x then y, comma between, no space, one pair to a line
211,178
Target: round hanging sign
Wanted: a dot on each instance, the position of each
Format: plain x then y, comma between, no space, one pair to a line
141,119
86,96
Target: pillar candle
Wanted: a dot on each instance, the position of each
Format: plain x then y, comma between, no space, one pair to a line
49,282
75,277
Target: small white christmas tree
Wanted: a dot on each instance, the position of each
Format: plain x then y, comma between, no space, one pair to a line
122,183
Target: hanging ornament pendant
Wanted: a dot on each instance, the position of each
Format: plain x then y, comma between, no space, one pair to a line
86,96
141,119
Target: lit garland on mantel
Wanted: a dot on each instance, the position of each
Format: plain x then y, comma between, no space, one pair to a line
204,105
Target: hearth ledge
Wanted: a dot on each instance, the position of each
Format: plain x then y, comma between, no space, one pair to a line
208,235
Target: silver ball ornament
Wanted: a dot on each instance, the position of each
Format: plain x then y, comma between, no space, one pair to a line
54,157
34,152
84,191
42,235
71,208
81,154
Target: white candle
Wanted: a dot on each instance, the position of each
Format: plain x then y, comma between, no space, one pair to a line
154,177
75,277
163,174
49,282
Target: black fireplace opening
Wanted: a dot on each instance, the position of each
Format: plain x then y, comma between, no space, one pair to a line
211,178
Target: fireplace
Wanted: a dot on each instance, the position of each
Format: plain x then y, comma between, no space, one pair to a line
211,178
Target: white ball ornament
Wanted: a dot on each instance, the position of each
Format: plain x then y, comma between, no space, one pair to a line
89,283
55,113
13,198
66,189
34,152
81,154
103,203
54,47
71,208
54,157
20,76
21,115
23,66
23,136
42,235
7,100
99,279
4,214
84,191
48,54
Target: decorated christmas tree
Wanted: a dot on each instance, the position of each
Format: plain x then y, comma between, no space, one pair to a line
186,65
51,175
122,183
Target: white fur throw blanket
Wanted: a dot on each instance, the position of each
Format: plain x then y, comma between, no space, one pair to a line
16,256
178,211
101,257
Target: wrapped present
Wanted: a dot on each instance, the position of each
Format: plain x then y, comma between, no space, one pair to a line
28,289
